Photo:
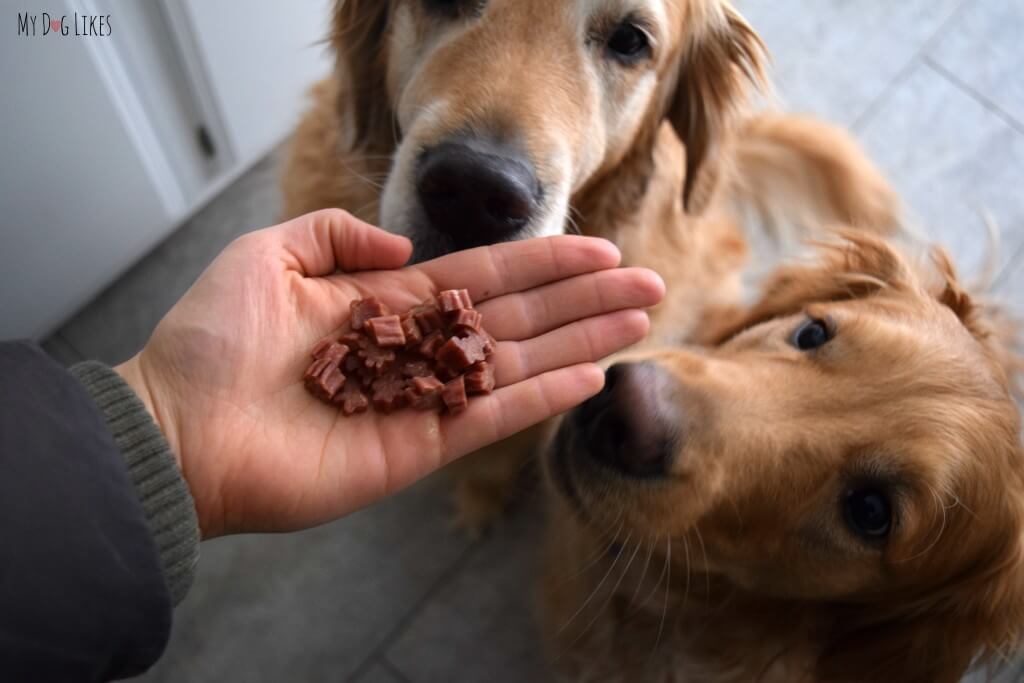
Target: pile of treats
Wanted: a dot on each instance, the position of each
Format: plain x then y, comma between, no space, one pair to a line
432,357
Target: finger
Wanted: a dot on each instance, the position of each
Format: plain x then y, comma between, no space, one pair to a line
323,242
491,271
585,341
524,315
514,408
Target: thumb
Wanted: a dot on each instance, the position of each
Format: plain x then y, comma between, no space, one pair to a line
330,240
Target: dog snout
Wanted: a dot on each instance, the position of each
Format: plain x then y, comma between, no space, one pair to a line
476,193
633,426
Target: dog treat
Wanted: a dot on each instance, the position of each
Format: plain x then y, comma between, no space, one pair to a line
454,395
416,368
364,309
467,320
351,399
389,393
376,358
433,342
454,300
480,378
432,357
428,317
424,393
324,379
458,353
386,331
411,330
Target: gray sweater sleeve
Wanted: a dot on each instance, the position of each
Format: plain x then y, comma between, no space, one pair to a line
153,470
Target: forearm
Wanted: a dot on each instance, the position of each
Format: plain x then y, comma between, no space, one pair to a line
154,471
82,584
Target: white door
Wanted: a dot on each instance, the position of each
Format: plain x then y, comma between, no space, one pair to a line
109,142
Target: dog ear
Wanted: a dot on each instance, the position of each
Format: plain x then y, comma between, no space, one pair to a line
974,622
856,267
358,39
716,69
991,325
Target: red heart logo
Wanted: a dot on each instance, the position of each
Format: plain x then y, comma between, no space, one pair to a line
55,24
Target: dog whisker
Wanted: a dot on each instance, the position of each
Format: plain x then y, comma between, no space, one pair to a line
643,575
597,589
611,595
668,586
704,553
591,561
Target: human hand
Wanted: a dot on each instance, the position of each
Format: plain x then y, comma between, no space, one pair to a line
222,373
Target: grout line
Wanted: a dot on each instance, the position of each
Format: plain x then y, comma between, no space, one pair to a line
973,92
865,117
379,651
1015,261
390,667
899,79
80,356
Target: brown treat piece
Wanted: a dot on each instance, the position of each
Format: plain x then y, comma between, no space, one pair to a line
377,359
324,379
431,344
318,350
454,395
424,393
389,393
452,300
353,364
364,309
416,368
480,378
351,399
490,343
386,331
413,335
428,317
466,320
461,352
333,352
354,340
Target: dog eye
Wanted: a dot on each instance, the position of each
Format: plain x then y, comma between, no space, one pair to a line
628,43
453,9
813,334
868,513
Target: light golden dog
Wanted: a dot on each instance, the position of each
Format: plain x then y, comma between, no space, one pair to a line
467,122
830,489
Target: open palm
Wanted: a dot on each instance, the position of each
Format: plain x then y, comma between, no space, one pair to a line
223,371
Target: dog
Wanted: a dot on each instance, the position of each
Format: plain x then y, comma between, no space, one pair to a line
462,123
829,487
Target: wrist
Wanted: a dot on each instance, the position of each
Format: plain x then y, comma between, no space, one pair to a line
136,375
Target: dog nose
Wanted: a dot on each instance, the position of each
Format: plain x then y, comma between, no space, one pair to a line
479,194
633,425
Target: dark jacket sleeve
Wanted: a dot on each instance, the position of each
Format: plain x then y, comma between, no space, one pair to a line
83,593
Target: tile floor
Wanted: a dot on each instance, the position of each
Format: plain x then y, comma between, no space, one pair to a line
391,594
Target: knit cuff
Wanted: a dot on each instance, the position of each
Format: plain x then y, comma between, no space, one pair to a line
152,468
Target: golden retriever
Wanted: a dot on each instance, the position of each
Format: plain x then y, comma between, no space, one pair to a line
467,122
831,488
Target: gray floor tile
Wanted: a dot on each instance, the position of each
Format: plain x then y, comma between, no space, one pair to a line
951,158
834,58
481,626
311,606
982,47
381,672
119,321
61,350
